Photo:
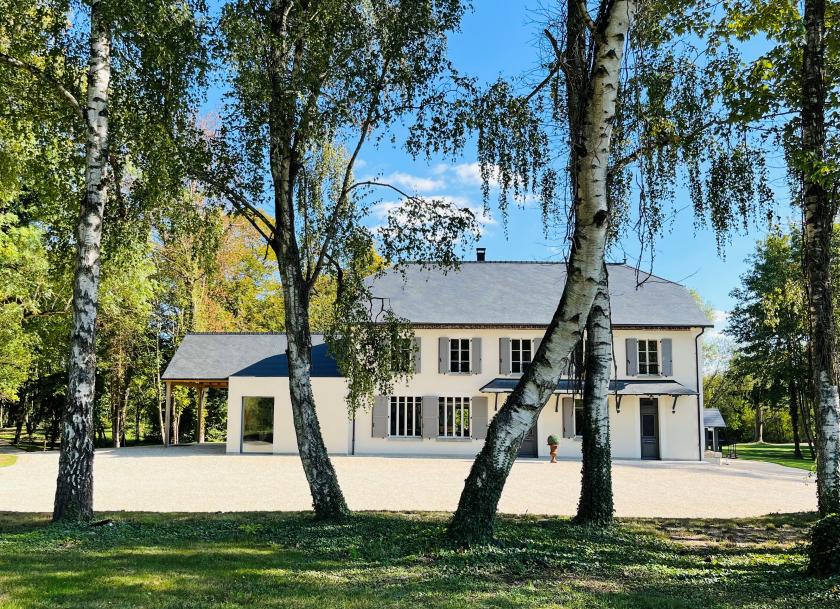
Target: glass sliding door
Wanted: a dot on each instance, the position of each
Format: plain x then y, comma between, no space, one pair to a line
257,424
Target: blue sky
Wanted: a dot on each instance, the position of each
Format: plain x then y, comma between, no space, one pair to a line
499,38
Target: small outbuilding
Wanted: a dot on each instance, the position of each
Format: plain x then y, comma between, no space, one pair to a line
713,421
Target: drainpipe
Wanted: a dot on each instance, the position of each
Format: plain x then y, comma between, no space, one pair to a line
700,431
353,440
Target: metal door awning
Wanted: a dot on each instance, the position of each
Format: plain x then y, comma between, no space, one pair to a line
650,387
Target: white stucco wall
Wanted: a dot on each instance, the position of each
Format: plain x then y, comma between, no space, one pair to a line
329,405
679,431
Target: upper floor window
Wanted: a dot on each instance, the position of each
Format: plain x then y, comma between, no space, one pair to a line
405,416
648,357
459,354
520,354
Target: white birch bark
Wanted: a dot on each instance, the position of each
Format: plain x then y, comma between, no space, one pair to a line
819,219
74,489
473,520
596,499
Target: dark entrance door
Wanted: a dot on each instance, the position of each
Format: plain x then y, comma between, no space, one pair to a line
649,409
529,444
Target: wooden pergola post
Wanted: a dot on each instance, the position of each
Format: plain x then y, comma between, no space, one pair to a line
168,414
201,401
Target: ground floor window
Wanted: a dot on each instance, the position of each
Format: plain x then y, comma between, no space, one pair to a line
454,417
405,416
257,424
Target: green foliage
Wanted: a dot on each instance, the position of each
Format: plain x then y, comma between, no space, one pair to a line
824,551
24,289
552,439
402,561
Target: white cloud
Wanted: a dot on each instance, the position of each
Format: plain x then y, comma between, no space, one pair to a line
411,182
469,174
720,319
384,209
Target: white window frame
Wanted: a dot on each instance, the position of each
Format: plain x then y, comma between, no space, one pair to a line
522,364
443,422
643,347
405,404
460,352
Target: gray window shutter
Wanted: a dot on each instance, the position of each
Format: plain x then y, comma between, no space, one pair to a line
416,355
475,356
430,416
443,354
504,356
478,411
568,418
667,359
381,405
631,345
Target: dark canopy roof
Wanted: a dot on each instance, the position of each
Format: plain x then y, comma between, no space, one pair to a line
713,418
219,356
527,293
641,387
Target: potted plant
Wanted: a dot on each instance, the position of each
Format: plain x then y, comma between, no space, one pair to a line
553,441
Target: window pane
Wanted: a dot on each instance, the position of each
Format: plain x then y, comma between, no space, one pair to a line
257,424
648,425
393,424
465,414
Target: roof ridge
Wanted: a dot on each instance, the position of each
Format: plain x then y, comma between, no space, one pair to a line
245,334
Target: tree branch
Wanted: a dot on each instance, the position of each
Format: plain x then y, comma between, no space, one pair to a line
245,208
332,226
39,74
584,15
559,64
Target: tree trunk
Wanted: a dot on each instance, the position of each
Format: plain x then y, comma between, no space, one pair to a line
804,411
327,498
596,499
74,487
474,518
794,419
759,422
819,219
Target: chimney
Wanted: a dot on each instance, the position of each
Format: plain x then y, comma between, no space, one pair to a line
480,254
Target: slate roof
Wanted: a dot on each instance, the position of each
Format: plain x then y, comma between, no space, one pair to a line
713,418
622,387
219,356
527,293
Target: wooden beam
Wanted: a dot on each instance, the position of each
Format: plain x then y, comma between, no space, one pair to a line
201,400
168,414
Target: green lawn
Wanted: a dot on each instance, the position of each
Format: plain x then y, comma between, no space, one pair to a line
269,560
776,453
7,460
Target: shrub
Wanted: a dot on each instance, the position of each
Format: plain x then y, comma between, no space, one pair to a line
552,439
824,553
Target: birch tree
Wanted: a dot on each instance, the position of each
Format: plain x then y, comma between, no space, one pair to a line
819,198
72,61
591,108
310,84
629,136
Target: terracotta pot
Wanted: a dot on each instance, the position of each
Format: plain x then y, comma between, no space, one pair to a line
553,452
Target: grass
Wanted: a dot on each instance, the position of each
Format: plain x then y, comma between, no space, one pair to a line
7,460
289,561
781,454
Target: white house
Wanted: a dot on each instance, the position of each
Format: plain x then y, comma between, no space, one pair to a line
476,330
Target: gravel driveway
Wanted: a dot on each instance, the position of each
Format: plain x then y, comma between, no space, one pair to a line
203,479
